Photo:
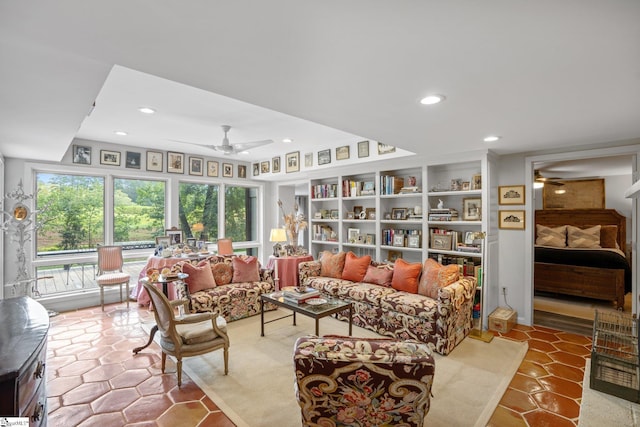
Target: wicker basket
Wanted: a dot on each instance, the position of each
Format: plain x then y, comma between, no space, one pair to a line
614,355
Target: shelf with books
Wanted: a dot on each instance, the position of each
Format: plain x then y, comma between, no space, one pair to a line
363,185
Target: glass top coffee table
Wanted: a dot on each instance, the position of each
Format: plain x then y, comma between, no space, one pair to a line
315,311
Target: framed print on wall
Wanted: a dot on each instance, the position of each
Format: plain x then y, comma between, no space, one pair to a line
275,164
511,194
256,169
293,162
175,162
133,160
242,171
385,148
195,166
109,157
81,154
324,157
227,170
212,168
154,161
511,220
264,167
342,153
363,149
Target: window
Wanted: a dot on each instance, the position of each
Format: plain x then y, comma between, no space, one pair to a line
73,216
240,213
138,212
198,204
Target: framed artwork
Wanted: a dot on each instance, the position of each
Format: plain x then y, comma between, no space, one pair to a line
264,167
511,194
275,164
342,153
578,194
212,168
132,160
293,162
350,215
256,169
385,148
394,255
195,166
109,157
163,241
371,239
357,210
363,149
398,240
333,214
511,220
353,235
471,209
324,157
81,154
175,162
476,182
370,213
441,241
154,161
191,242
227,170
242,171
175,235
413,241
466,186
308,160
398,213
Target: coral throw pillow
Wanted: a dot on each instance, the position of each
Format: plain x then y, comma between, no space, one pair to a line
331,265
222,273
355,267
436,276
379,275
547,236
609,236
245,269
200,276
587,238
405,276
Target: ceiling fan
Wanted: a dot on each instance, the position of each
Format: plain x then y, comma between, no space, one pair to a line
537,176
227,148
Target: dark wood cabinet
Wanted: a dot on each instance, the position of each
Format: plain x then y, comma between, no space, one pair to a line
24,325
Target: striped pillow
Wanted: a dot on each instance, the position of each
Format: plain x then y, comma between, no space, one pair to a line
587,238
547,236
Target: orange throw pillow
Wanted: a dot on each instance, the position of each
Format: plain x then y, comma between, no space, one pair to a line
331,265
200,276
222,273
245,269
379,275
436,276
405,276
355,267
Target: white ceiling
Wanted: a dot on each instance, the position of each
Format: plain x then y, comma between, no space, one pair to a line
543,75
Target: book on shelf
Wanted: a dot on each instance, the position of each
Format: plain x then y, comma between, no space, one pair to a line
390,184
443,214
409,190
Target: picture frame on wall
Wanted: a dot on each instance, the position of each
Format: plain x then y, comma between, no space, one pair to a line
175,162
342,153
212,168
133,160
363,149
195,166
154,161
256,169
81,154
111,158
175,235
324,157
242,171
265,167
385,148
293,162
511,195
275,164
511,219
227,170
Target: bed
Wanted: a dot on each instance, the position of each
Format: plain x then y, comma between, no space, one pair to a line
603,274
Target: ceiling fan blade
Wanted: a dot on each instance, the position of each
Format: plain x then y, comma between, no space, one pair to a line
248,145
210,146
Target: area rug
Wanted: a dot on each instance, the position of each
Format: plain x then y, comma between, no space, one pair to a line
258,391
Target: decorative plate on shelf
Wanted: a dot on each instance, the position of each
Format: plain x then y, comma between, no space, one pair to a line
316,301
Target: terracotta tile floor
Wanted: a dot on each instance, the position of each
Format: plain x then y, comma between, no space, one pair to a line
95,380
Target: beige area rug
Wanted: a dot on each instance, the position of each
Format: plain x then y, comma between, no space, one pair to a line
259,389
601,409
582,308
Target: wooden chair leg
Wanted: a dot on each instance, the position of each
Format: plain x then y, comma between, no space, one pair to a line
102,297
179,368
226,360
164,360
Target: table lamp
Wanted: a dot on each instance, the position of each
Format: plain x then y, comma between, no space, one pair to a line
277,235
198,228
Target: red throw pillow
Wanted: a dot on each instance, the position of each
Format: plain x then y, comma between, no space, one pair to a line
436,276
405,276
331,265
245,269
200,276
355,267
380,275
222,273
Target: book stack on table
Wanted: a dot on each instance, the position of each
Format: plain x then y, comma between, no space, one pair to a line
294,295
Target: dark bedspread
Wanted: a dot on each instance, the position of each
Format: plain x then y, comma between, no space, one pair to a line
586,258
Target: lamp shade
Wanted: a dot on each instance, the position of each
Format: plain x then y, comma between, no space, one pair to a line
278,235
198,227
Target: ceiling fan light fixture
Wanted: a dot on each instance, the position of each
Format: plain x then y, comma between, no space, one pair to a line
538,184
146,110
492,138
432,99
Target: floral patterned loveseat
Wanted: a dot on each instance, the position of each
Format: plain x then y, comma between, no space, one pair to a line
344,381
429,303
232,284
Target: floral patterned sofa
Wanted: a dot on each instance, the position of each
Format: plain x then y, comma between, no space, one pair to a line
429,303
344,381
232,284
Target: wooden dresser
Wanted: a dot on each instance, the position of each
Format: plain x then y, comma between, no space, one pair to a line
24,325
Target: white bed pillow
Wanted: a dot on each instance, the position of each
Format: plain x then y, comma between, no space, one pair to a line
583,238
547,236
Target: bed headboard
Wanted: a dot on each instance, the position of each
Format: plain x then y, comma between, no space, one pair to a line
585,217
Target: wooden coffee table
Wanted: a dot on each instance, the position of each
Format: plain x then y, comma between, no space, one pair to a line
316,312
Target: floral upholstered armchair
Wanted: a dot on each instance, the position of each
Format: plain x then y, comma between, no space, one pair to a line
344,381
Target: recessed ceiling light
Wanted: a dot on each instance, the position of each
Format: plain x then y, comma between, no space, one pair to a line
432,99
121,133
287,140
243,152
146,110
492,138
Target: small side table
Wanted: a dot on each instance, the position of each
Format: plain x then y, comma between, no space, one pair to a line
164,281
287,269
